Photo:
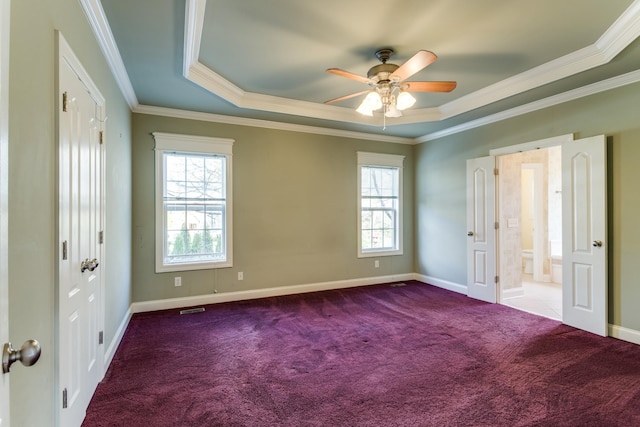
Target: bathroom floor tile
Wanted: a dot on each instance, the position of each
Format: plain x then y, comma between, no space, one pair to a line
543,299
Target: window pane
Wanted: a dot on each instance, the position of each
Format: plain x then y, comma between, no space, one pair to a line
366,220
175,189
195,223
177,242
389,220
176,218
195,169
174,167
389,238
214,190
379,194
366,239
376,239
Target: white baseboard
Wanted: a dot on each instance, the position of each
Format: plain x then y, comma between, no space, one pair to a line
115,342
624,334
444,284
165,304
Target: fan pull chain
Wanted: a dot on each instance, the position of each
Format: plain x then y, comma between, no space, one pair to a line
384,118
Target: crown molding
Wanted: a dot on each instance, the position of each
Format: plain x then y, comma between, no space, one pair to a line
617,37
101,29
557,69
592,89
621,33
192,33
266,124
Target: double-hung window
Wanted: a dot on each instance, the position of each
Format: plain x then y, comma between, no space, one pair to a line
379,204
193,202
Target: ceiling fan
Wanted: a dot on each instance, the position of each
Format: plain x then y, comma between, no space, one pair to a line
389,90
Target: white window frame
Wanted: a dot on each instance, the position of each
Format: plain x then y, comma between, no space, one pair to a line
385,161
168,143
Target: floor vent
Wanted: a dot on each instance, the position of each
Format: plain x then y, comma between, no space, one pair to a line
396,285
192,310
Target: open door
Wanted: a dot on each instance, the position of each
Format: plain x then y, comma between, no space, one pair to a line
584,235
4,201
481,234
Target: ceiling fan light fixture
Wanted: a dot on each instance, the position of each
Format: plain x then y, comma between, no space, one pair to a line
373,100
364,109
392,111
389,88
405,100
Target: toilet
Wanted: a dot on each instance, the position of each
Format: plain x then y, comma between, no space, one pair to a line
527,261
555,260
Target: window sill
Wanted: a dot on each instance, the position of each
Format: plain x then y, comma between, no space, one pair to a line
372,254
194,266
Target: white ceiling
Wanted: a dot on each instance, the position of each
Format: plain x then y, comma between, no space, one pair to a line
264,61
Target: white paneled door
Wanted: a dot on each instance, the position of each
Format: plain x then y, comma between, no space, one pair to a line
481,234
4,201
80,232
584,235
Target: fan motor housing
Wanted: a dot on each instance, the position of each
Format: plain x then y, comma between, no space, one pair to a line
381,72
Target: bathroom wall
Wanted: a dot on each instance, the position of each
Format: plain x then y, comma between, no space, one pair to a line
509,200
555,193
527,214
510,217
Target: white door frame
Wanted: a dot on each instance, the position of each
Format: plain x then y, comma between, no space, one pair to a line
66,56
5,11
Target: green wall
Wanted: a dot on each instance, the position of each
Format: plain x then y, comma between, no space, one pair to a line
441,191
294,210
33,193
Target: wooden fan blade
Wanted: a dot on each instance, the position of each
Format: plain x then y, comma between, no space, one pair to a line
343,73
428,86
414,64
342,98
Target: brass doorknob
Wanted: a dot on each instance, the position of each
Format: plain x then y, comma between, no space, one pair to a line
28,354
597,243
469,233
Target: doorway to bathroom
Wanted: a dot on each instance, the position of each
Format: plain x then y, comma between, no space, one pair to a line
494,238
530,235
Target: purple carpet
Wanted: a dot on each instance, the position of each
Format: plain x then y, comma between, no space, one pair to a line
412,355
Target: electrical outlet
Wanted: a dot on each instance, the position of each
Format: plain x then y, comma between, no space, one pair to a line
177,281
376,264
240,275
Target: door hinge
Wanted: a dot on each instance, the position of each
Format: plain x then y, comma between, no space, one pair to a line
64,102
101,137
101,237
64,399
497,279
496,225
495,171
101,337
64,250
